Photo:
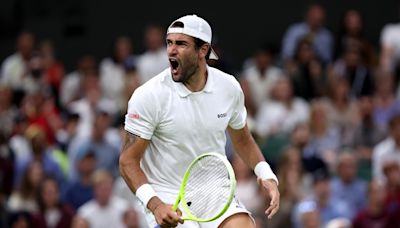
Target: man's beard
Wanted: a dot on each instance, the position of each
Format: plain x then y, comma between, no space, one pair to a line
187,73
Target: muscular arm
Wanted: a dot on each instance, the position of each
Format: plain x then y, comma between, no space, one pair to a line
245,146
248,150
129,164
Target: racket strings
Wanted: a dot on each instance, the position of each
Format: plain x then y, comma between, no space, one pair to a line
208,187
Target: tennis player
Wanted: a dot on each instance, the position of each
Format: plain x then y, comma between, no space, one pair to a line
179,114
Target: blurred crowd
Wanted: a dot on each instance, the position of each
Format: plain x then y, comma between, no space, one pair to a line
324,109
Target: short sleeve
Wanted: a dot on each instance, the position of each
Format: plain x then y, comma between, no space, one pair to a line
239,115
386,36
141,117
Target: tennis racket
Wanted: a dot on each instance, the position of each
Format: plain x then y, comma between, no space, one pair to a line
207,188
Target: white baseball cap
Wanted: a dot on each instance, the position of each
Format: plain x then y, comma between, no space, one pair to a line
194,26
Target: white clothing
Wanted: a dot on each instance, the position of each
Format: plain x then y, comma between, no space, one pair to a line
275,116
261,85
17,203
385,151
390,37
12,71
151,63
182,124
234,208
70,87
112,81
108,216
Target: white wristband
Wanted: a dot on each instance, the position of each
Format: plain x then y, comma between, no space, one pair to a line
263,171
145,192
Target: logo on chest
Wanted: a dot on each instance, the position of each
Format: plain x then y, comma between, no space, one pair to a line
222,115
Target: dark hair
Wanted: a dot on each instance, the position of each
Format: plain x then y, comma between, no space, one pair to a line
40,199
200,43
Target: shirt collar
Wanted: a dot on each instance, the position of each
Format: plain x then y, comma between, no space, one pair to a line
183,91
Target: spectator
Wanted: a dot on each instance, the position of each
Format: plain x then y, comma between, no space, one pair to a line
341,109
387,150
72,87
15,68
8,110
292,187
351,67
321,197
346,189
313,29
391,170
282,112
42,153
24,196
87,106
53,69
106,153
80,191
52,212
258,79
154,59
390,49
113,71
351,33
375,214
385,101
306,72
309,215
367,133
105,210
325,139
301,140
131,218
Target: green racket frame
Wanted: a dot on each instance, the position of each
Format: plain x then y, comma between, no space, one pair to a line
181,195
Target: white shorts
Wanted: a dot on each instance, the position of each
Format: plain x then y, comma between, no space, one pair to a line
234,208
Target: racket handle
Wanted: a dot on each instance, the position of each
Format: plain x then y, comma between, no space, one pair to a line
175,206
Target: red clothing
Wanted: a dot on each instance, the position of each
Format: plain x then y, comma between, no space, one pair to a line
54,75
365,219
67,214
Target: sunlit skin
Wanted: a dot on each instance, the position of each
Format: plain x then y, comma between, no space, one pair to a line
188,64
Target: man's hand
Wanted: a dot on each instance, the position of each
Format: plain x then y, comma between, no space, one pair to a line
164,214
272,189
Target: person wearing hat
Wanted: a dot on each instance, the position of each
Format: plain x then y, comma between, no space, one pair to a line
179,114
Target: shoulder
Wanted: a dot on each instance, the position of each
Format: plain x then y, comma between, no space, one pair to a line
382,147
119,203
87,208
153,87
11,59
224,80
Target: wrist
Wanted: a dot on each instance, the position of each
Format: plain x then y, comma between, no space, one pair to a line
264,172
145,193
154,203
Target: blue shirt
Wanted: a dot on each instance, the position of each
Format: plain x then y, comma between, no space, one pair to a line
352,196
77,194
322,41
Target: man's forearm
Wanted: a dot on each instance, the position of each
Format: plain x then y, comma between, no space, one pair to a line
132,152
246,147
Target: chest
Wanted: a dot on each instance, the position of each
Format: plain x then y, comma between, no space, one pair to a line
196,115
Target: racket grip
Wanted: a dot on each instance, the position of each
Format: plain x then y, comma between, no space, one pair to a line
176,204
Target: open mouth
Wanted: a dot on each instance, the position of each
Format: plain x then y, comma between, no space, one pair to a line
174,65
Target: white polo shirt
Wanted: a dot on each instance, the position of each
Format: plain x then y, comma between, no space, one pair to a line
182,124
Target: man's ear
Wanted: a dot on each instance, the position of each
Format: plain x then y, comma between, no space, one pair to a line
204,50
